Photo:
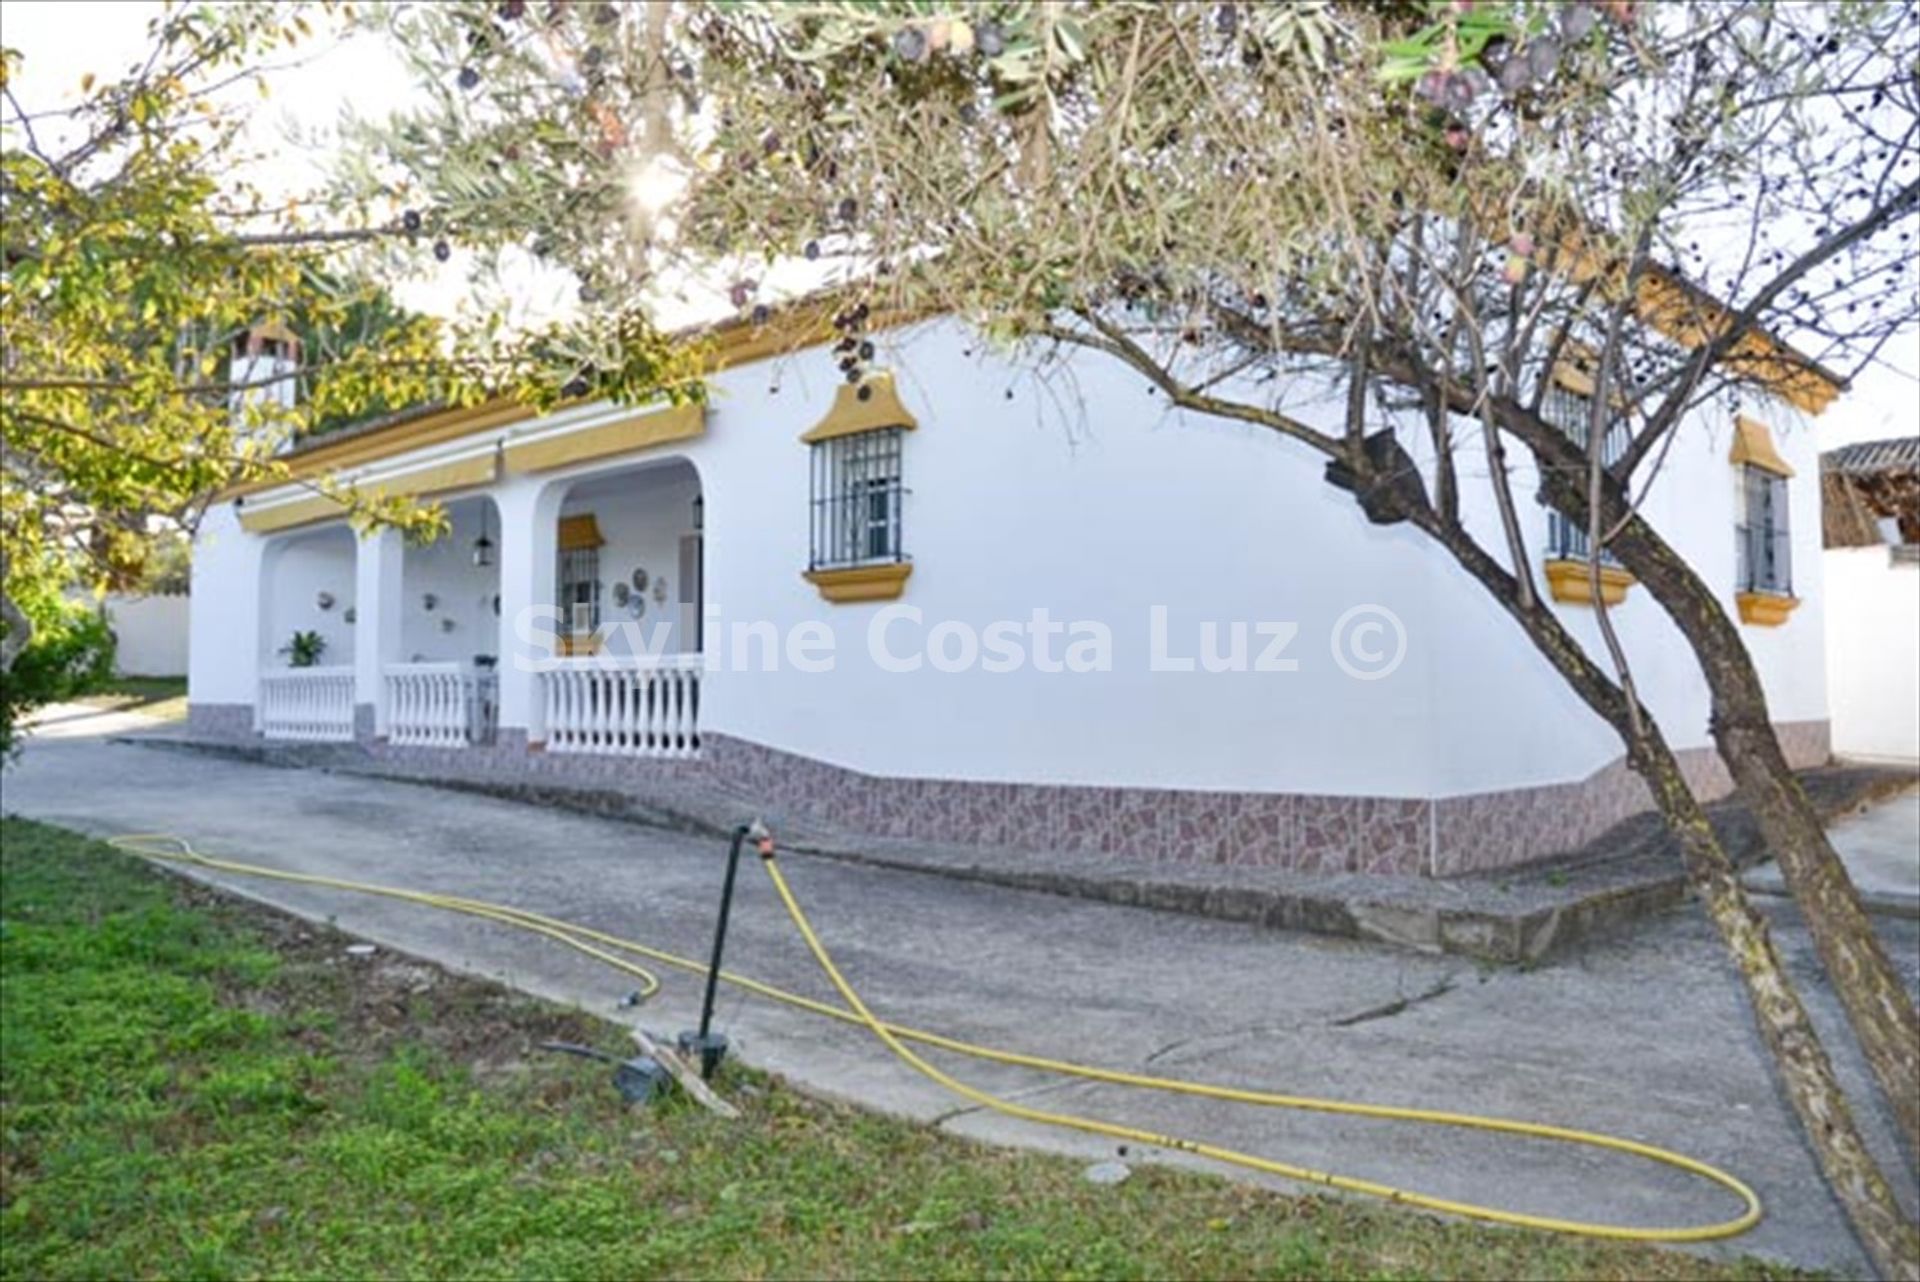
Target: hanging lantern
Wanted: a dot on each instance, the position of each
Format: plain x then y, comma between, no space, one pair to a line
483,546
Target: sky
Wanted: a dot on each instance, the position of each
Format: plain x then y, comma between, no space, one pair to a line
65,39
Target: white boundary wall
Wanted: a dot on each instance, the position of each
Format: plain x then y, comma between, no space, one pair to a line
150,633
1873,653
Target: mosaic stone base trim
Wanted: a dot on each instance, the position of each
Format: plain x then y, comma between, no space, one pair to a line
1500,829
1394,836
1302,832
1327,834
226,722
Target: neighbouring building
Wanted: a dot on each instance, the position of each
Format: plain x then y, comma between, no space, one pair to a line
958,602
1870,517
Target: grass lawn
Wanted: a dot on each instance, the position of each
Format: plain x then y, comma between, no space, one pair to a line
164,698
195,1086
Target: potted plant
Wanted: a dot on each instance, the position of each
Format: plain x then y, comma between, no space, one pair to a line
304,650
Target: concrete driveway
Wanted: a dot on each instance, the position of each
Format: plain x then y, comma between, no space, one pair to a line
1881,848
1646,1036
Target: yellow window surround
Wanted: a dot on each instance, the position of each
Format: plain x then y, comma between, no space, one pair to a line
1765,609
862,582
870,405
867,406
1753,446
580,532
1568,581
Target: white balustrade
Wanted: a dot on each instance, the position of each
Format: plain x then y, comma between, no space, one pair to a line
310,704
644,706
439,705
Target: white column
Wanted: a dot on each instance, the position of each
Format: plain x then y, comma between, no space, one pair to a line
377,590
529,516
226,628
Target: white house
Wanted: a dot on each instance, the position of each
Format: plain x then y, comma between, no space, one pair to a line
951,603
1870,510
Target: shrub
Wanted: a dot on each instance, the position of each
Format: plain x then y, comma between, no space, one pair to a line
70,653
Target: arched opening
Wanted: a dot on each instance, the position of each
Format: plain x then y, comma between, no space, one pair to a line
307,636
450,589
628,577
440,687
629,589
306,595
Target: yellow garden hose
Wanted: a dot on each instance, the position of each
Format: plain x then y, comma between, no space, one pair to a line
596,944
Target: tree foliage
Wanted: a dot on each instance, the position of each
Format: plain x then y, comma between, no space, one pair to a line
137,249
1431,207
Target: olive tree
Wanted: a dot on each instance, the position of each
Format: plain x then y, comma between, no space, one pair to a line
136,249
1439,209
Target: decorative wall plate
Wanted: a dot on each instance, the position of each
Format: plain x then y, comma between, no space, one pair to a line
621,594
660,590
639,578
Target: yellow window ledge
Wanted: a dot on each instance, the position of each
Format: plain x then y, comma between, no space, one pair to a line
1765,609
862,582
1568,582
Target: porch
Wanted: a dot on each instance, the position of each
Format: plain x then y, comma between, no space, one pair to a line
382,640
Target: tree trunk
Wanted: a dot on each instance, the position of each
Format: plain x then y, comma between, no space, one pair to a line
1805,1072
1876,1002
1891,1241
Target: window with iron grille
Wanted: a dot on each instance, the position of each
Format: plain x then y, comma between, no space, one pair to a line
579,575
1762,547
1572,413
857,500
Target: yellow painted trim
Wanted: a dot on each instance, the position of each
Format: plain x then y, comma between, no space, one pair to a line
1568,581
284,516
803,323
1691,317
1765,609
436,478
853,412
578,532
1753,446
1573,379
636,432
862,582
415,433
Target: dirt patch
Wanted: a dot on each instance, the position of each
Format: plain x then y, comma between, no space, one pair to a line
374,999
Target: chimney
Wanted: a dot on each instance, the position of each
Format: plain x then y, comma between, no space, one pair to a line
265,359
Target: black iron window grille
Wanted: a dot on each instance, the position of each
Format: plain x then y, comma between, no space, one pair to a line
1762,546
579,575
857,500
1572,413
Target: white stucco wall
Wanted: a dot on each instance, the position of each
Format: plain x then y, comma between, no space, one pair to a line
1873,653
1017,506
296,570
462,591
1084,497
1526,724
150,634
226,632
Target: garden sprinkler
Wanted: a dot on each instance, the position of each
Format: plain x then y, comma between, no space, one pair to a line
710,1046
640,1080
